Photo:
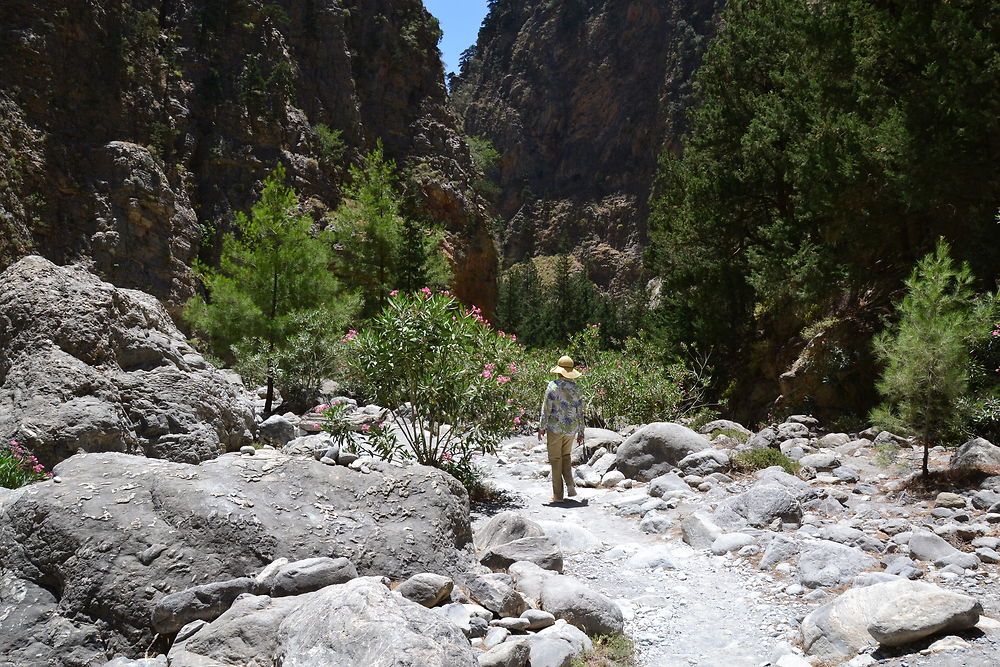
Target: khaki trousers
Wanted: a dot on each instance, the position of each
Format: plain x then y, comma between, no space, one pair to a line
560,446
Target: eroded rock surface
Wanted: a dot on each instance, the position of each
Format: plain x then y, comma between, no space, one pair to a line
100,549
88,366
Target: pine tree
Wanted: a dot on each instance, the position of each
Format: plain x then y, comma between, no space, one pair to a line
273,276
926,358
380,249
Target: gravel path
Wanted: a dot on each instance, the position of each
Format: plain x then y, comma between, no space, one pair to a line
708,611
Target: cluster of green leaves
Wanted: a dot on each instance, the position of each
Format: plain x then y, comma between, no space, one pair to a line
378,247
544,312
19,468
824,133
273,301
452,373
926,354
761,458
331,145
608,651
633,384
486,159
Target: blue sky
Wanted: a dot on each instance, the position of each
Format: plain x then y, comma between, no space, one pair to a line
460,21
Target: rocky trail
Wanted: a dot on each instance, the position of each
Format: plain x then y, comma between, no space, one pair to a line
686,606
689,608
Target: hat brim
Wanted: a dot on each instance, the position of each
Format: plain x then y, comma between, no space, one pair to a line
569,375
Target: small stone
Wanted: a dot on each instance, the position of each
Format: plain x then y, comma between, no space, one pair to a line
247,450
512,624
538,619
328,461
495,636
948,499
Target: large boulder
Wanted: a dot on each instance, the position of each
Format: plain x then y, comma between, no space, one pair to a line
655,449
594,613
361,622
506,527
85,365
826,564
894,612
97,552
705,462
978,453
759,506
205,603
699,531
543,551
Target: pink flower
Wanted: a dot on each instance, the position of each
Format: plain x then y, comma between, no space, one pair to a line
517,420
488,374
502,379
425,290
394,292
321,408
513,338
446,456
365,428
512,368
38,467
510,401
446,292
351,335
996,332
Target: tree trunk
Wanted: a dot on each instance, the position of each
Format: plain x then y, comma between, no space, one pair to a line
270,393
269,400
927,449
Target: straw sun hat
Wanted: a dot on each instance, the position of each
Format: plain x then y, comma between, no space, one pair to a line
566,368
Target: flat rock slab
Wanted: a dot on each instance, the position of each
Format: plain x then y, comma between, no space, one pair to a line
117,525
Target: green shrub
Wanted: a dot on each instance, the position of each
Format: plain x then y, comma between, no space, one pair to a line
331,144
758,459
633,385
739,436
619,387
455,374
609,651
19,468
886,455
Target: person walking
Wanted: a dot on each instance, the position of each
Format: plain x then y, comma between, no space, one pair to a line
562,420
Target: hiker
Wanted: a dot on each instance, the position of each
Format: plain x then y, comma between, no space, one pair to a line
560,422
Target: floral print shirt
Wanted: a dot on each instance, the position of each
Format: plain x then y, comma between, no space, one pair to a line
562,408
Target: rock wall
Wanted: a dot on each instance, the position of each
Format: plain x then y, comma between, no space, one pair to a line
580,98
133,130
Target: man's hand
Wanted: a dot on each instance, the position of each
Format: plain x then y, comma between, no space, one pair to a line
579,439
541,432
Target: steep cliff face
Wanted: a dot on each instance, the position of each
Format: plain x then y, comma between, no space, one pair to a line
580,97
132,130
